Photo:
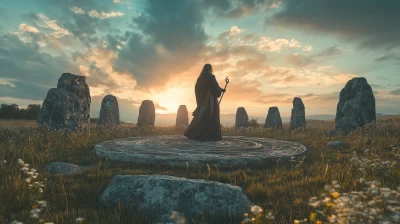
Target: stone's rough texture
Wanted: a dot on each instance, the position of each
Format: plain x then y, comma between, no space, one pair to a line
68,105
332,133
172,150
356,106
298,117
109,112
63,168
161,195
273,119
147,114
182,117
242,120
336,144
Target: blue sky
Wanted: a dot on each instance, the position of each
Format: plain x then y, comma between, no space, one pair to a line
272,50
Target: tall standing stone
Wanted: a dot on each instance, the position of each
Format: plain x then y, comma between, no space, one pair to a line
109,112
273,119
182,116
68,105
298,117
356,106
147,114
242,119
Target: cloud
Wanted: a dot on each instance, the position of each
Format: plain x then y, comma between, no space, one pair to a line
103,15
30,72
308,48
26,28
395,92
248,7
52,24
168,40
77,10
271,45
371,24
388,57
305,60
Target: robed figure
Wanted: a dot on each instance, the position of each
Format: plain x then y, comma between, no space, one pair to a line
205,125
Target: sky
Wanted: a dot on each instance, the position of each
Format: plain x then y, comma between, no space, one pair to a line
271,50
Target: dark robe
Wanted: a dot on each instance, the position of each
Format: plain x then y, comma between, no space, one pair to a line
205,125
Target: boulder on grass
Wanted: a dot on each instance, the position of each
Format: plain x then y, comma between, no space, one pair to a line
161,195
298,117
182,116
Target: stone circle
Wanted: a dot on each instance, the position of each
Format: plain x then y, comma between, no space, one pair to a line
178,151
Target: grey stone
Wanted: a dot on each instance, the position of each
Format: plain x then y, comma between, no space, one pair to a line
273,119
147,114
161,195
356,106
337,145
182,117
63,168
68,105
332,133
179,151
242,120
298,117
109,112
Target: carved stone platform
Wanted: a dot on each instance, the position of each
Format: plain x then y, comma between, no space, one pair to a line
178,151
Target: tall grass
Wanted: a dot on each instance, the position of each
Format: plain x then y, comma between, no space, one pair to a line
284,189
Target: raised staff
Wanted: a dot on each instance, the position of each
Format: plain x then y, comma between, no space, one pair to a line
226,84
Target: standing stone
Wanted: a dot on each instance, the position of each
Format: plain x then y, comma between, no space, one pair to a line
68,105
109,112
182,117
147,113
242,120
273,119
356,106
298,117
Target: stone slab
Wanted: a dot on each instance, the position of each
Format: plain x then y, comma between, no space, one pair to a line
178,151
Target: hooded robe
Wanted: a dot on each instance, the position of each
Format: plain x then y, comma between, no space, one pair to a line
205,125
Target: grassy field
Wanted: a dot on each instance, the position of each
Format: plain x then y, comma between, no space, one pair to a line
284,190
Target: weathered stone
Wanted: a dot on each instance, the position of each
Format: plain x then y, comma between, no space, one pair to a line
356,106
273,119
242,120
109,112
179,151
147,114
332,133
336,145
182,117
63,168
68,105
160,195
298,117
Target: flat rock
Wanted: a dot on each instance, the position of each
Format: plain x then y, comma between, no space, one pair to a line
63,168
337,144
182,116
242,119
273,119
68,105
179,151
160,195
298,116
109,112
356,106
147,114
